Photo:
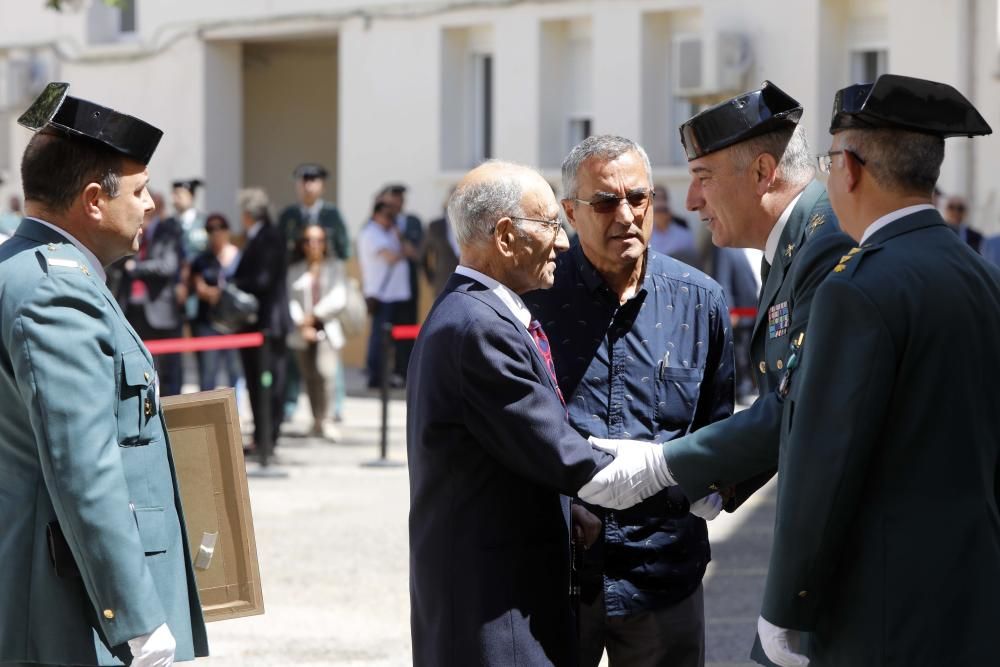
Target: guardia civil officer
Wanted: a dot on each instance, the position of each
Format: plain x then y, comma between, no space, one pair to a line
887,538
95,557
753,184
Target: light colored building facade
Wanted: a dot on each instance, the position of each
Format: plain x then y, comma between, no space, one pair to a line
418,92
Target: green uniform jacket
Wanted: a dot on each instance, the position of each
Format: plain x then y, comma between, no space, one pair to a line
887,537
742,451
82,447
291,223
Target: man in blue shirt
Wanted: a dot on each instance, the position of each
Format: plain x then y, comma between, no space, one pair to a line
642,351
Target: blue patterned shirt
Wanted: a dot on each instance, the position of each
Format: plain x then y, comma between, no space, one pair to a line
653,369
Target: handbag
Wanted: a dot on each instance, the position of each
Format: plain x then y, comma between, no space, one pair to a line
354,314
235,310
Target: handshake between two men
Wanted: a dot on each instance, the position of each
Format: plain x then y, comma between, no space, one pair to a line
639,471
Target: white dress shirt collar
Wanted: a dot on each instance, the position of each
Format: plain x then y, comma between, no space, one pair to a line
253,229
504,293
188,217
771,247
892,217
95,263
311,213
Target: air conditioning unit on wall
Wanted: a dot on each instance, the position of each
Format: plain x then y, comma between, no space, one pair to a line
709,64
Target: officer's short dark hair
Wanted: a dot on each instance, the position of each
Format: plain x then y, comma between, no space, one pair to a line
56,167
900,160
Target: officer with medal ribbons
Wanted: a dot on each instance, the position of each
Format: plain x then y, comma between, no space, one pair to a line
96,566
887,537
753,183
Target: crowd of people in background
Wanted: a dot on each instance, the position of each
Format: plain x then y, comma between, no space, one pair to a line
296,268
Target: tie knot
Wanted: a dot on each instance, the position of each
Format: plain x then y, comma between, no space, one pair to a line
534,326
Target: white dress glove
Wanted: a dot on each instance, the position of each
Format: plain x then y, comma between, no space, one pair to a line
778,644
708,507
638,472
153,650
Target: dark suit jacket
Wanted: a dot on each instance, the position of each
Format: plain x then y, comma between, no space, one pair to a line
262,272
160,271
437,256
490,451
887,539
743,450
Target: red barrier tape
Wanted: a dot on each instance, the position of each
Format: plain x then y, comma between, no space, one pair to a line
405,331
203,343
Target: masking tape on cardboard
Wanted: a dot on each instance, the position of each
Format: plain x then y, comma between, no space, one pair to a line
205,552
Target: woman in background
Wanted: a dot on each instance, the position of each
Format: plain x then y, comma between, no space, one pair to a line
317,292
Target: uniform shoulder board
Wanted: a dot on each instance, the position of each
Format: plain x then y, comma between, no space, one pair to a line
62,263
849,263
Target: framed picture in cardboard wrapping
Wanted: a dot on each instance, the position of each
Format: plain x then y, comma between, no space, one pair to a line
207,447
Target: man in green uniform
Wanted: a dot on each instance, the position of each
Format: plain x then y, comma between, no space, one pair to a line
752,183
96,567
312,209
887,538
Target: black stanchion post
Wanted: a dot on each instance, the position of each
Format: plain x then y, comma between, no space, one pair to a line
263,419
384,372
384,389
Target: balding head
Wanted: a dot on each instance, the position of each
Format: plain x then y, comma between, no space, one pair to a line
504,217
484,195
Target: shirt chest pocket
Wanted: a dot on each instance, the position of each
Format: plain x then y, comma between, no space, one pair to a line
136,400
677,391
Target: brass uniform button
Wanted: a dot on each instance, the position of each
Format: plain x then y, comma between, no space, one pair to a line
763,367
780,364
108,614
713,487
802,594
148,408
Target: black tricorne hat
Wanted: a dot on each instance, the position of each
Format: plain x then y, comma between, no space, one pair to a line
309,171
125,134
907,103
189,184
745,116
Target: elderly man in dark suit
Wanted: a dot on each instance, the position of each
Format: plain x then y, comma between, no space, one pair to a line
490,449
262,271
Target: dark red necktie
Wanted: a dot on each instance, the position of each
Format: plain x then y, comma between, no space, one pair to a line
542,343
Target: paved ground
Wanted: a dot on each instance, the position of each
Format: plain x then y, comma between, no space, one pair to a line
332,543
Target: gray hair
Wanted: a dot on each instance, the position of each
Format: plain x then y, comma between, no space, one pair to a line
253,202
788,146
900,160
474,208
603,146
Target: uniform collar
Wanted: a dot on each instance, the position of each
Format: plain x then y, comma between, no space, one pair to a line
504,293
91,258
889,218
771,247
